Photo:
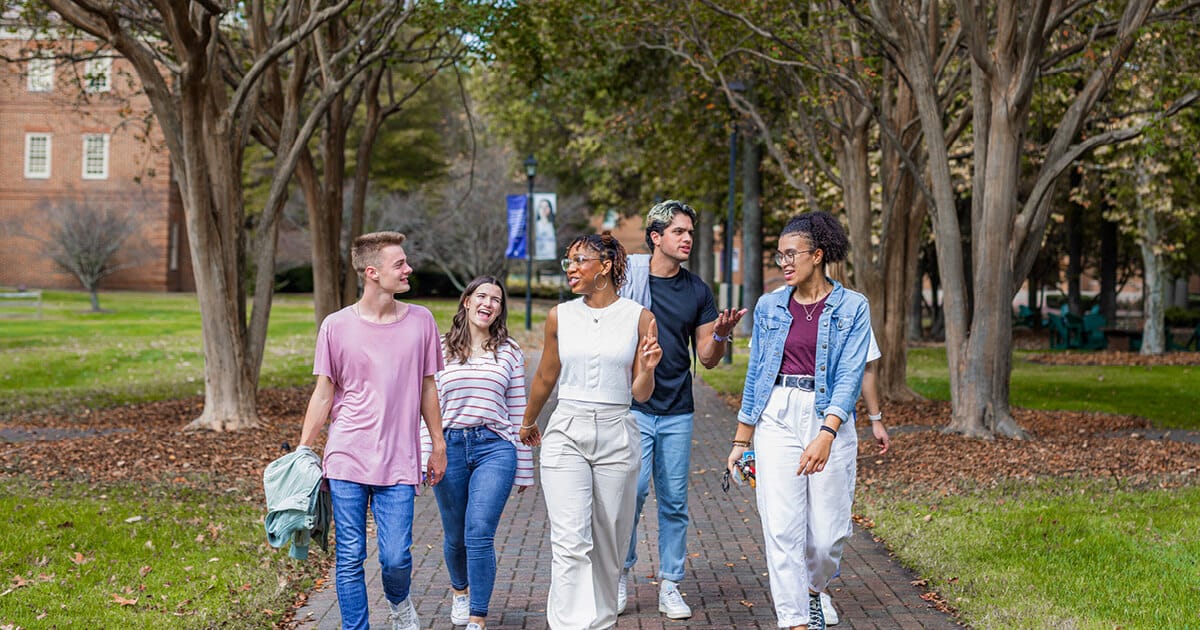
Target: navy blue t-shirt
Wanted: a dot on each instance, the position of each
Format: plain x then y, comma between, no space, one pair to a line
680,304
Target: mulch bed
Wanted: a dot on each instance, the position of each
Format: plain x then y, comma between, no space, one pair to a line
1114,357
1060,444
146,442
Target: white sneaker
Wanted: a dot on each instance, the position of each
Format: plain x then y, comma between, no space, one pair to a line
671,603
474,626
622,591
460,610
403,616
831,616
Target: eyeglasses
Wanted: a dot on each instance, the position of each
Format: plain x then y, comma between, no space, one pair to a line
786,258
578,260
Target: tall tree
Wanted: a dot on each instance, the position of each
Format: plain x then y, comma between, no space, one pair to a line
828,118
1009,46
204,87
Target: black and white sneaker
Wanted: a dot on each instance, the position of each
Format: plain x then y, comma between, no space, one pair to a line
816,617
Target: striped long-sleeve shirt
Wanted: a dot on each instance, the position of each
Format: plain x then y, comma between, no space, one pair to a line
486,391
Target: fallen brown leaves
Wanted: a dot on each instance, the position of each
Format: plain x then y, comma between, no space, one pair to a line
1061,444
1113,357
147,442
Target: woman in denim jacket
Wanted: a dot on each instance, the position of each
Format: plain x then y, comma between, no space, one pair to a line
807,355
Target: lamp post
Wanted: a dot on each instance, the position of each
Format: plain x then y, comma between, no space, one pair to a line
530,173
727,257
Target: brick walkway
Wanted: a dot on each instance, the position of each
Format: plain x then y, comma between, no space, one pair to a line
726,584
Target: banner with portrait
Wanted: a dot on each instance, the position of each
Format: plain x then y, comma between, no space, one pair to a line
545,235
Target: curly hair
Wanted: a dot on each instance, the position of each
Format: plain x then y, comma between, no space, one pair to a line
609,248
661,215
457,341
823,231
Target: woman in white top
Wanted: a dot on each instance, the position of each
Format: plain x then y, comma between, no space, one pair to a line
601,350
482,396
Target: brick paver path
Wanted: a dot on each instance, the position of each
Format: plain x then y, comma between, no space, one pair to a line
726,582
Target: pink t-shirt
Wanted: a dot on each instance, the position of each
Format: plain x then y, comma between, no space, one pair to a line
377,369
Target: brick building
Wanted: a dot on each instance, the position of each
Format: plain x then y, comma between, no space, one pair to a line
80,134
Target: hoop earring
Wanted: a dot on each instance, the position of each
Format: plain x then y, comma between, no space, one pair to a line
601,288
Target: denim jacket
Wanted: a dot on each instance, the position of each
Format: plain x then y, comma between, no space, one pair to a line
842,338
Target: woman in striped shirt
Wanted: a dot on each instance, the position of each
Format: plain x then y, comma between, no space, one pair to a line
482,394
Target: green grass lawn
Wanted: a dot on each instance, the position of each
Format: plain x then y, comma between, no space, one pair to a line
1056,554
148,346
138,556
1166,395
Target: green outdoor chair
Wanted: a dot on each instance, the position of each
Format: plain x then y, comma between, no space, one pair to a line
1092,335
1066,332
1192,343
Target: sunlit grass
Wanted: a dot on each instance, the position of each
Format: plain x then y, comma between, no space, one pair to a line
139,556
149,346
1055,555
1168,396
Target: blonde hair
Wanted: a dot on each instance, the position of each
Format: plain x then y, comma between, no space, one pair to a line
365,251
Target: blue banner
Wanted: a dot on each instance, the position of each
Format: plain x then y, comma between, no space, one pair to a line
517,247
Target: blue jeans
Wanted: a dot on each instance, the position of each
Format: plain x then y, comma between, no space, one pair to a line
667,454
480,466
393,510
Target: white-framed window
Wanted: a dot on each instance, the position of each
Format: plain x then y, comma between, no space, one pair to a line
37,156
95,156
39,72
97,74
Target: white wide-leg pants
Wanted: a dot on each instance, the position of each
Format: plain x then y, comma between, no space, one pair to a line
590,458
805,518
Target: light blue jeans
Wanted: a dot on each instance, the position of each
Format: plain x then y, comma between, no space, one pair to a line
393,510
667,455
480,466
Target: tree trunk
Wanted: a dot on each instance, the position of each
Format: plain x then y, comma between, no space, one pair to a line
333,159
951,273
1074,258
752,231
327,296
899,257
362,162
1153,272
916,307
1108,271
702,261
1179,298
212,205
984,409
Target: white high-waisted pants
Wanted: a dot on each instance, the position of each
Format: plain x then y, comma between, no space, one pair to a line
805,518
590,458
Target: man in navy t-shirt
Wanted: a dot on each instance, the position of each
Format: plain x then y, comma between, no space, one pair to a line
688,320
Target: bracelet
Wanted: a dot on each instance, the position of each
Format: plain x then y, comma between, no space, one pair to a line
719,339
875,417
745,443
832,431
529,426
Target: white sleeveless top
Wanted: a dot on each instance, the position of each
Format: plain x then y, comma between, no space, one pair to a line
596,348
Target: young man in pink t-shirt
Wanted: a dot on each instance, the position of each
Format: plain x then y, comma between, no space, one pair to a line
375,364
